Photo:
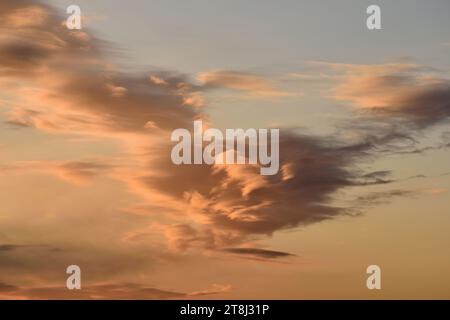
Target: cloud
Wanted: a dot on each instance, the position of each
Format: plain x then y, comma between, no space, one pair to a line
222,204
377,198
407,94
215,289
26,17
114,291
103,291
239,201
22,55
81,171
62,84
69,66
183,236
77,172
8,247
5,248
251,83
260,253
6,288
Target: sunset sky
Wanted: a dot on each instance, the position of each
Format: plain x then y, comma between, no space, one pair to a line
85,171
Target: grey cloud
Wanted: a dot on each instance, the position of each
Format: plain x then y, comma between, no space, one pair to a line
377,198
262,253
8,247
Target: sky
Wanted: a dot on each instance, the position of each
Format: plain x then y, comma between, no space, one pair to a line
85,171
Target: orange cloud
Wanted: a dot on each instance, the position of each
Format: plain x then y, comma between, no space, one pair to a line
61,84
397,91
110,291
251,83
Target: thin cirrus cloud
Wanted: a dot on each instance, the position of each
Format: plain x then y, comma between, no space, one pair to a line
62,84
77,172
250,83
114,291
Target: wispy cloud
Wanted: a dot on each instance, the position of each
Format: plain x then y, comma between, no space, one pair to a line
250,83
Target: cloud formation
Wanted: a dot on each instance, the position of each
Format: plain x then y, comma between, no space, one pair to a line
62,84
110,291
73,91
251,83
405,93
260,253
